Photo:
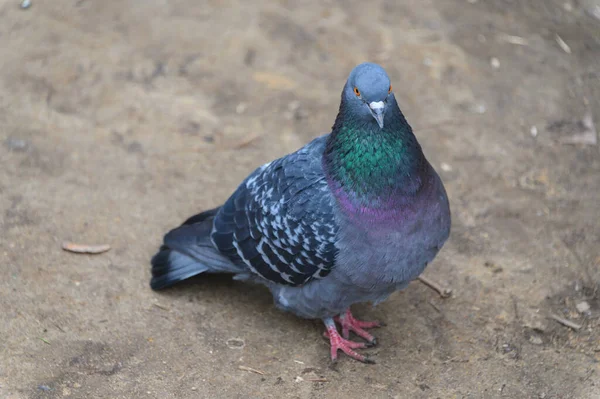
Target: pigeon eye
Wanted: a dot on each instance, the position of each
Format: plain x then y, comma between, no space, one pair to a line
390,90
356,92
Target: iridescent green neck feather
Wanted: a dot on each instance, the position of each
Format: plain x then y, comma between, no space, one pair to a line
374,166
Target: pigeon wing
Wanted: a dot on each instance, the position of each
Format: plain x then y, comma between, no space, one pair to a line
280,221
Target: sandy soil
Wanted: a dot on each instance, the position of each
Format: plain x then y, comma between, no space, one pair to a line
121,118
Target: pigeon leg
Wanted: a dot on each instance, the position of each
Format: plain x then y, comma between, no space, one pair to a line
339,343
349,323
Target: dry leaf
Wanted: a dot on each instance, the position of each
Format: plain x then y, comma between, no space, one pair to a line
85,249
274,81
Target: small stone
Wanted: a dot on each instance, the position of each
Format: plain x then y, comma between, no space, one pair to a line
534,321
25,4
533,131
241,108
293,106
534,339
445,167
235,343
583,307
495,62
480,108
14,144
592,8
298,379
194,388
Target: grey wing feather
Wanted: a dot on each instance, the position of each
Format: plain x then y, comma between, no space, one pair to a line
280,222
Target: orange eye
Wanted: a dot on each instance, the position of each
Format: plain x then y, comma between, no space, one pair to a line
390,90
356,92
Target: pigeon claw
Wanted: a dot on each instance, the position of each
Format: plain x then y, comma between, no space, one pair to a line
338,343
349,323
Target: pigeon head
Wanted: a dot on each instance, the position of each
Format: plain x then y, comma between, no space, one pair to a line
372,152
367,92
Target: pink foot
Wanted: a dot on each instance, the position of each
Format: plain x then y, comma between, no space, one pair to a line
346,346
349,323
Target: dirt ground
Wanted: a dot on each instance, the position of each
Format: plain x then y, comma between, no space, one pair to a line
119,119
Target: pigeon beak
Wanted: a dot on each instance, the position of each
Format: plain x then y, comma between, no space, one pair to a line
377,109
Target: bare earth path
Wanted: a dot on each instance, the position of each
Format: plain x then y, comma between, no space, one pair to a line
118,119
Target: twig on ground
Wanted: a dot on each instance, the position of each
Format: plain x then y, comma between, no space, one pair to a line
512,39
250,369
444,292
566,322
85,249
246,142
433,305
563,45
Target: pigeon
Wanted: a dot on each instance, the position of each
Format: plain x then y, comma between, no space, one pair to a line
351,217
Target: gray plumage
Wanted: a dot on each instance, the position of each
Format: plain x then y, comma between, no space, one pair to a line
300,225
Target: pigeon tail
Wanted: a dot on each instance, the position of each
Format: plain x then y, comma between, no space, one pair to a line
188,251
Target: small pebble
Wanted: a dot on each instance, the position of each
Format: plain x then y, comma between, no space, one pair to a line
194,388
25,4
15,144
241,108
534,339
445,167
235,343
495,62
583,307
533,131
593,10
480,108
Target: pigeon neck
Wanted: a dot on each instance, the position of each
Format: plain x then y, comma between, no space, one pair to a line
373,168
